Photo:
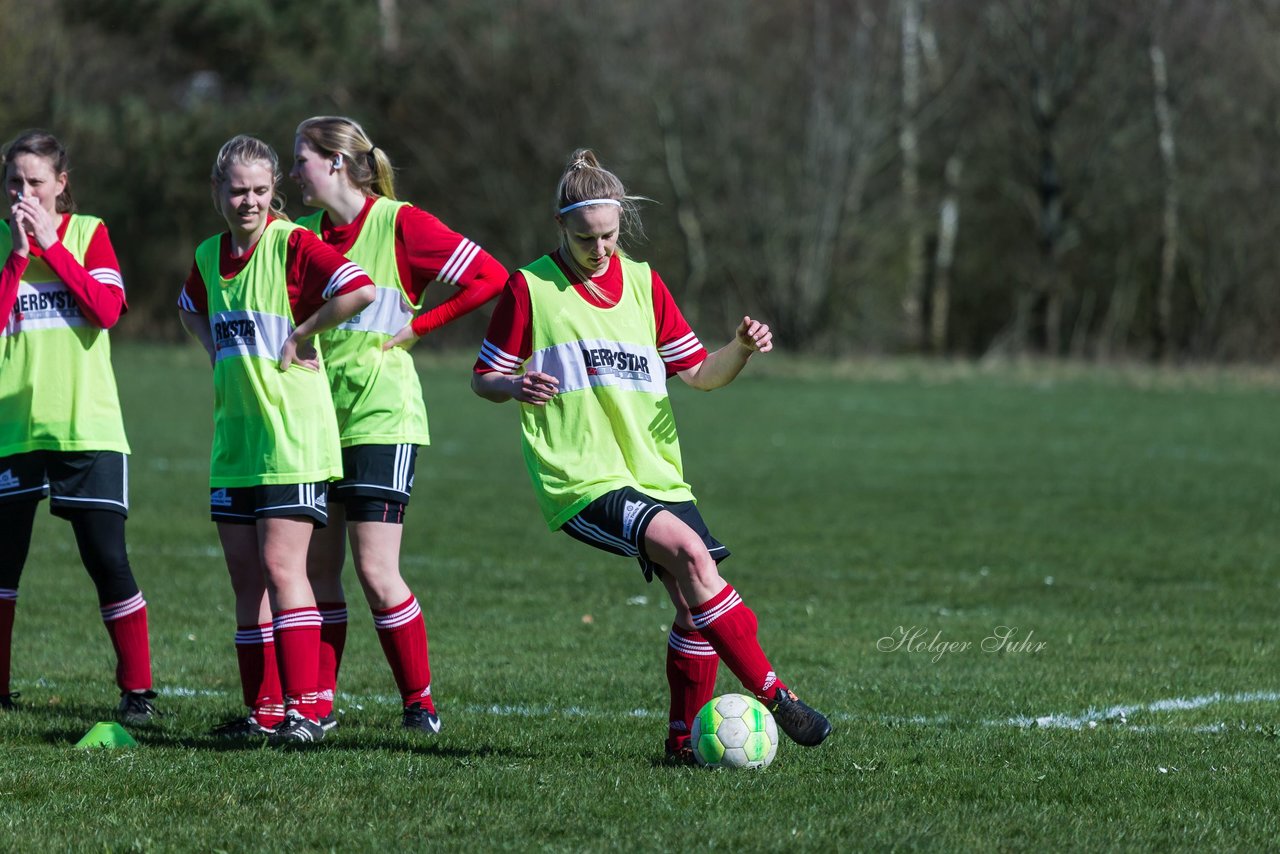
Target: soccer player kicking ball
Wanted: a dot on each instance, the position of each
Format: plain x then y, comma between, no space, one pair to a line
382,418
254,298
584,339
61,432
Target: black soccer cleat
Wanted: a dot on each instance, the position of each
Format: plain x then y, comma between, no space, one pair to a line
679,756
805,726
416,717
295,730
136,709
8,702
241,729
329,722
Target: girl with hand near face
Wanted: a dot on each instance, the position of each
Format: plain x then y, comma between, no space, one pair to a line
256,296
61,432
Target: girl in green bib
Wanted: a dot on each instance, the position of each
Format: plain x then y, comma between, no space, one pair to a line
61,432
584,340
382,418
256,296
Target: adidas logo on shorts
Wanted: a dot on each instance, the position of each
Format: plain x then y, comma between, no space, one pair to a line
8,481
219,498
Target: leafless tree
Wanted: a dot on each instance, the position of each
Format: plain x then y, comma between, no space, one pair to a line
1169,162
1044,53
909,151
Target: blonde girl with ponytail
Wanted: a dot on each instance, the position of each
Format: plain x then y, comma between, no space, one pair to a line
382,417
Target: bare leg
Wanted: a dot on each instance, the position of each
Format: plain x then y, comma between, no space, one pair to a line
402,631
326,556
376,549
677,548
325,560
283,543
240,549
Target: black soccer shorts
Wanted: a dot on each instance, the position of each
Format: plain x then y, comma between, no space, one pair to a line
72,480
616,523
376,482
245,505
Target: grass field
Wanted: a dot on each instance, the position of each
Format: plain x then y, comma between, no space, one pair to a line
1123,524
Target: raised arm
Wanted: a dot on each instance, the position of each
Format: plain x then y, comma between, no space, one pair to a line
96,284
10,278
721,367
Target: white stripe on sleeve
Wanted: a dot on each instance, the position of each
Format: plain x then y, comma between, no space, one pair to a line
108,276
680,348
458,262
340,277
497,359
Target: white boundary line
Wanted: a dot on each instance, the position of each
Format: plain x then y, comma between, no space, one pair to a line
1113,717
1121,714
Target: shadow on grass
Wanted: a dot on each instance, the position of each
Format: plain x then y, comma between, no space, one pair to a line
362,742
665,764
64,724
59,721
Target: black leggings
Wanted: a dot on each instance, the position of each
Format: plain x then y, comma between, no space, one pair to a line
99,535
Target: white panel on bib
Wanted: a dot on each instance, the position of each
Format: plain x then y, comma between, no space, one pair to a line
388,314
249,333
599,362
44,305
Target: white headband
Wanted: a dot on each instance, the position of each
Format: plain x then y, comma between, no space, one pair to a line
588,203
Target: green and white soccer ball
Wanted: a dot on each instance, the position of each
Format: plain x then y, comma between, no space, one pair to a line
734,731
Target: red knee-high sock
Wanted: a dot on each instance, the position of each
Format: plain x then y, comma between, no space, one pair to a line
259,675
333,639
691,673
8,601
730,627
403,634
297,633
126,623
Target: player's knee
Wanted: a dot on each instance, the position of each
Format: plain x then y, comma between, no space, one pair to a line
690,559
379,574
100,536
246,575
16,522
324,566
704,571
281,571
683,616
112,575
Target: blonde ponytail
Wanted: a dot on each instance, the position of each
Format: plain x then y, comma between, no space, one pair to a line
368,168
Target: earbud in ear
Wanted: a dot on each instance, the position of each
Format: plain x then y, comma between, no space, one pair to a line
337,161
